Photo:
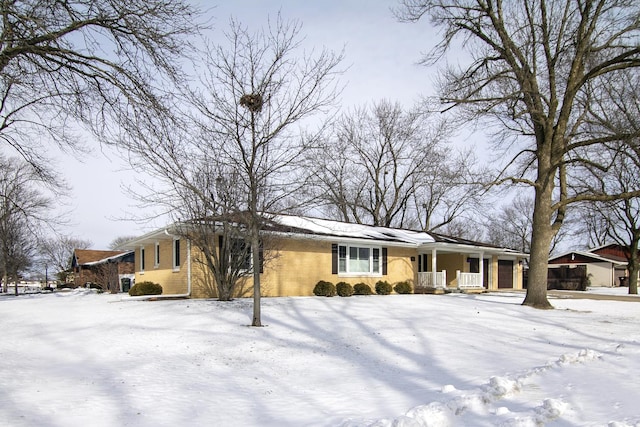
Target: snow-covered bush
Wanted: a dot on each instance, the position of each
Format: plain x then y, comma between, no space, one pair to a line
402,287
145,288
383,287
344,289
324,289
362,289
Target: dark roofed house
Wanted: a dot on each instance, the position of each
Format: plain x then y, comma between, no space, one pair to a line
603,266
108,270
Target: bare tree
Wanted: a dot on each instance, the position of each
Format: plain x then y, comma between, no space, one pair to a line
256,91
463,227
392,167
448,193
511,226
68,62
115,243
23,215
593,227
534,69
255,96
57,252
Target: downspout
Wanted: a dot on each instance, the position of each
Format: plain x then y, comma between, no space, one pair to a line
185,295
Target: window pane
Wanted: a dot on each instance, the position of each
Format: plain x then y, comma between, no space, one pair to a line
353,252
176,253
359,260
342,259
376,261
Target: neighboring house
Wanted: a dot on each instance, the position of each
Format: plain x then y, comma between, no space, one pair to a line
110,270
303,251
604,266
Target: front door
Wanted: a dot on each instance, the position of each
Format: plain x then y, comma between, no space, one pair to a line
505,273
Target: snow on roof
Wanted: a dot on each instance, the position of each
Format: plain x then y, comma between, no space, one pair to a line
86,256
318,228
332,228
109,258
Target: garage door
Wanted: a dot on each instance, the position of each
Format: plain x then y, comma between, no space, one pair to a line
505,274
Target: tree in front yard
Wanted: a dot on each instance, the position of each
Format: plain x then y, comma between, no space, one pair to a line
236,150
535,70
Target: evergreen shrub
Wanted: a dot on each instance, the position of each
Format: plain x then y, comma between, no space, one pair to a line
145,288
324,289
362,289
344,289
383,288
402,287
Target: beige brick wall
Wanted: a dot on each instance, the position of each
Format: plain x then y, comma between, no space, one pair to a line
172,281
292,268
297,265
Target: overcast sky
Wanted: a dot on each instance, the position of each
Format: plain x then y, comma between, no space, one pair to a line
381,55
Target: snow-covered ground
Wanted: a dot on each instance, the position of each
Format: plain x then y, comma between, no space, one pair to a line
611,291
80,359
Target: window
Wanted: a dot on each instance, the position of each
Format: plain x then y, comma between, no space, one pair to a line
176,254
142,259
238,254
359,260
156,261
241,254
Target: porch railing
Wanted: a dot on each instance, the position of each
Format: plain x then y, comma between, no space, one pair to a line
425,279
469,280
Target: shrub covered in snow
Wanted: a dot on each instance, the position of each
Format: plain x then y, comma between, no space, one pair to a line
402,287
383,287
145,288
344,289
324,289
362,289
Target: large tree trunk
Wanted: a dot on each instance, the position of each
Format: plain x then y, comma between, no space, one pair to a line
633,268
541,238
633,278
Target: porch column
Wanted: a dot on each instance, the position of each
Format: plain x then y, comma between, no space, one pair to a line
481,267
434,269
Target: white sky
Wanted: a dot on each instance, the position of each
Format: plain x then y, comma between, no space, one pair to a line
380,52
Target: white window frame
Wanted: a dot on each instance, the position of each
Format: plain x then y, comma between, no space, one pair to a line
344,270
175,260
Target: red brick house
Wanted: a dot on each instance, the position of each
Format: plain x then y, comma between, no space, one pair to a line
109,270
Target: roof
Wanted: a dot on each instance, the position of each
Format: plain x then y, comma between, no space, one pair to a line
318,228
331,228
91,257
121,257
590,255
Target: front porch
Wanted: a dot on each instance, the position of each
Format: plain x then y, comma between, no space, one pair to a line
436,282
452,269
